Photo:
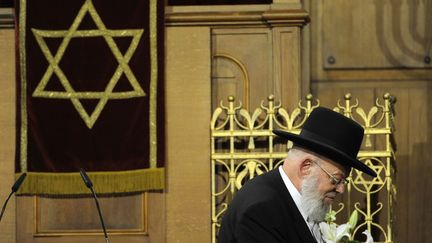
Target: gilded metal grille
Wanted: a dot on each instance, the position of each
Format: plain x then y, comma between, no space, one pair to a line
243,146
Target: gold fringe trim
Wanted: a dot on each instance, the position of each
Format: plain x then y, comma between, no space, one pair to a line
105,182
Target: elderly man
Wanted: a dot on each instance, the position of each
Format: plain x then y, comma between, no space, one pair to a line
286,204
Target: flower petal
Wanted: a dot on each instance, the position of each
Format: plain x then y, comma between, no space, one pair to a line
353,219
342,230
328,231
369,238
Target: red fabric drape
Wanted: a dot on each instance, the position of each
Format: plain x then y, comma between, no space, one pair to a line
85,75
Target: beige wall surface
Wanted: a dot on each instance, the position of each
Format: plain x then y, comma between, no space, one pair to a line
7,130
188,136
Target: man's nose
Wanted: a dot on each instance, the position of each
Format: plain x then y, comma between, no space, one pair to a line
340,188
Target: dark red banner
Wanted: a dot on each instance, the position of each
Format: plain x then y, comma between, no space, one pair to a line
90,94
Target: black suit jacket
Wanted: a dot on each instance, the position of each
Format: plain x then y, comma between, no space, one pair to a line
263,211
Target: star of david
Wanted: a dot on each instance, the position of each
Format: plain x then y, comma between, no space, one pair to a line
375,181
54,68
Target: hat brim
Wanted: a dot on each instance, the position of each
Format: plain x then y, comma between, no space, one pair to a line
326,151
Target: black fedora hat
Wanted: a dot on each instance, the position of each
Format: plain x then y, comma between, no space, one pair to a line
331,135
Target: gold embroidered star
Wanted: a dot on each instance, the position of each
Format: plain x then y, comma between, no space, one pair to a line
54,68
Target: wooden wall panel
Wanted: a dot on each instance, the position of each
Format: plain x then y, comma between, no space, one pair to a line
121,214
288,85
26,225
414,163
334,21
7,131
376,34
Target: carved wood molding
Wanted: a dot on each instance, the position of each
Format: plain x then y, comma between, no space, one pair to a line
291,17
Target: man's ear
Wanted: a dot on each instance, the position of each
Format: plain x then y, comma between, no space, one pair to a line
305,167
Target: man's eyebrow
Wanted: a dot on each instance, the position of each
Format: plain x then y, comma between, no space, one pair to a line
339,173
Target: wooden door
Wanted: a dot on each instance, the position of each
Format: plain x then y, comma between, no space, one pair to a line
253,63
127,218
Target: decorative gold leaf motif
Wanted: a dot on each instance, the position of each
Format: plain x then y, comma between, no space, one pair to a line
251,168
289,119
367,121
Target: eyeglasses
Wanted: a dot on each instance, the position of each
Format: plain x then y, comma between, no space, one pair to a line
334,181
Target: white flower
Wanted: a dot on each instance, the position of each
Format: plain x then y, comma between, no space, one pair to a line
369,238
332,233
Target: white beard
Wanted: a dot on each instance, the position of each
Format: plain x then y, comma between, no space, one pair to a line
312,203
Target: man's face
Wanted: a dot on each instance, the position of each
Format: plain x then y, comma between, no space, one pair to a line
318,191
329,173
